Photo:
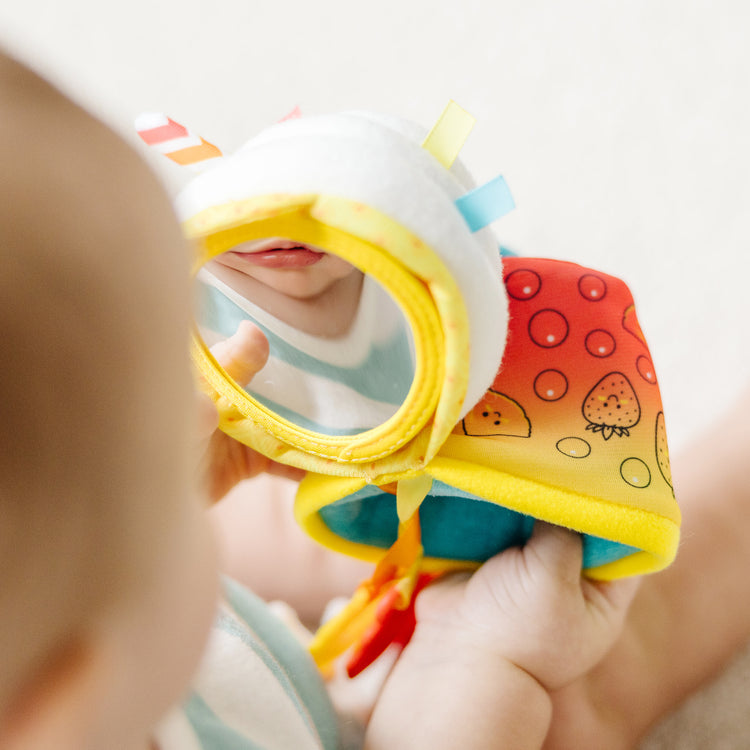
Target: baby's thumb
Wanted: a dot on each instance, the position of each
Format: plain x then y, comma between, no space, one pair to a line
558,549
243,354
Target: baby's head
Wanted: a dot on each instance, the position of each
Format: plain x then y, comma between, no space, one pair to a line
108,570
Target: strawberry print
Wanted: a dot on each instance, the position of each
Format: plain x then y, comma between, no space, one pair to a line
611,406
662,454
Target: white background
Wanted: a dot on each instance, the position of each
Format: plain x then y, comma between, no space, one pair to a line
622,127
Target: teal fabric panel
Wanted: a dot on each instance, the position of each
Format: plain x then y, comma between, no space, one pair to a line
455,525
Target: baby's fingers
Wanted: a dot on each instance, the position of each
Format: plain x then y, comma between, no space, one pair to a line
243,354
559,550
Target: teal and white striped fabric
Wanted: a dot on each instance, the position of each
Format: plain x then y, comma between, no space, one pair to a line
331,386
257,689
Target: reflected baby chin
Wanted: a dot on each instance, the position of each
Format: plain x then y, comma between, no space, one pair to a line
320,299
298,271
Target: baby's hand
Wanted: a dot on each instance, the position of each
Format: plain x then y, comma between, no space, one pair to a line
490,648
227,462
531,606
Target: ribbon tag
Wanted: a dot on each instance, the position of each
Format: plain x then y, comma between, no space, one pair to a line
485,204
295,114
175,141
409,495
448,134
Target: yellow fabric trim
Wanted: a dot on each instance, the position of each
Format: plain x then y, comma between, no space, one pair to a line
408,292
639,563
655,535
318,490
236,213
448,134
402,246
423,288
525,458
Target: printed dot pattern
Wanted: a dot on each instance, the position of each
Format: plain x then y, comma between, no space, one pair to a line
578,368
600,343
646,369
550,385
573,447
548,328
635,472
523,284
592,287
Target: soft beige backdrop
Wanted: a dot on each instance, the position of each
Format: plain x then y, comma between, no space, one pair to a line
622,127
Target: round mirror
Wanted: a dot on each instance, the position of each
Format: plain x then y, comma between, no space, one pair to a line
342,353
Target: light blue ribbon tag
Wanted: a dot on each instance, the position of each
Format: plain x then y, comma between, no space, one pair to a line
486,204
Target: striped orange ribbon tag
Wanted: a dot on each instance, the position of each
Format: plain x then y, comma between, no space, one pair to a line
175,141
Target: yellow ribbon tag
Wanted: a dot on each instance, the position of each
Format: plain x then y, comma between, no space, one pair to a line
448,134
409,495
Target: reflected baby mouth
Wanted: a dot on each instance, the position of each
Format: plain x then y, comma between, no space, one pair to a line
282,255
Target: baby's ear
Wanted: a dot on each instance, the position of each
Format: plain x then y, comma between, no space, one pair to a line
56,706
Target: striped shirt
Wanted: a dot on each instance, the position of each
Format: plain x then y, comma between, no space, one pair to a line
339,386
257,688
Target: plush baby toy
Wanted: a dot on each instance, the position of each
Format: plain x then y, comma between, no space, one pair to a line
440,397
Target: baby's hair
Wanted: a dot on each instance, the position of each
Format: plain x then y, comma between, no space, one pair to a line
94,319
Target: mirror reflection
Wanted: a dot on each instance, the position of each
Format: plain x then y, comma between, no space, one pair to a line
341,352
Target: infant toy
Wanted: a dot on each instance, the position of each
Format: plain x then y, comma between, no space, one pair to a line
441,397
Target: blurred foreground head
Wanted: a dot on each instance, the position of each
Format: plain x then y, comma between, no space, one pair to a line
96,397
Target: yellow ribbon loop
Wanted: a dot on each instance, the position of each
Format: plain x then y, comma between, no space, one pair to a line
448,134
409,495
